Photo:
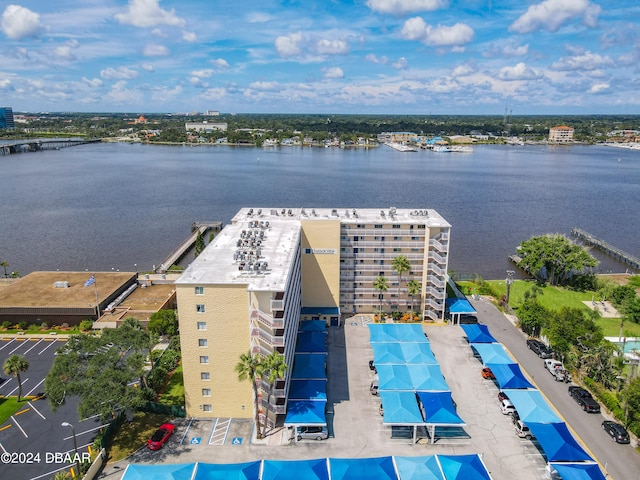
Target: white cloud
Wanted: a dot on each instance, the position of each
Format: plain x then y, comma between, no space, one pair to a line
374,59
147,13
67,51
442,35
217,93
513,51
220,64
147,68
19,22
463,71
586,61
599,87
333,72
258,17
400,7
309,45
205,73
94,82
266,86
189,37
551,14
120,94
519,72
120,73
155,50
401,64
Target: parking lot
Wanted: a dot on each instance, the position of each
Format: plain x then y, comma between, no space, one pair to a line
355,425
34,442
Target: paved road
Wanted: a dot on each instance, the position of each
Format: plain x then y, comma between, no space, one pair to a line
621,461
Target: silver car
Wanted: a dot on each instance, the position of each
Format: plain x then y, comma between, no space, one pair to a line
312,433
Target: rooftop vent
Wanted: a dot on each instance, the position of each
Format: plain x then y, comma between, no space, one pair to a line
60,284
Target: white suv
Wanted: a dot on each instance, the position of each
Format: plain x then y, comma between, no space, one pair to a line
506,407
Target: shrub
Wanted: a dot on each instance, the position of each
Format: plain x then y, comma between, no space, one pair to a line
608,398
6,324
44,325
22,325
86,325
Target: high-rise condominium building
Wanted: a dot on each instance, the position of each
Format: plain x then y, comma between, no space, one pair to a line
272,267
6,117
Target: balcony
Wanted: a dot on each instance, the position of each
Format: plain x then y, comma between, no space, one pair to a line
441,247
267,320
437,281
271,340
277,305
441,260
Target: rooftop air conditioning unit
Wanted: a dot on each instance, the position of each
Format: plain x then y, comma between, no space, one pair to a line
61,284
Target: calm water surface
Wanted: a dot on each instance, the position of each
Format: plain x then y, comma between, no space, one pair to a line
105,206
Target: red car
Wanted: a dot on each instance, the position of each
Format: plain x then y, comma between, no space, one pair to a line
487,373
160,436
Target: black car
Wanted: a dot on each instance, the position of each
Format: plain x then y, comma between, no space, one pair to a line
372,366
539,348
584,399
616,431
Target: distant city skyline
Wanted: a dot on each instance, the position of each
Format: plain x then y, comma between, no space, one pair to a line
359,56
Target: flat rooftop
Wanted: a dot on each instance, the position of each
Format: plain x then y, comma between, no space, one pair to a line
38,290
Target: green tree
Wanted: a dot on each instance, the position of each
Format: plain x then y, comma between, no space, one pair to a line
199,247
413,288
401,264
249,368
621,294
273,367
554,258
14,366
4,265
382,285
572,326
631,310
630,396
532,316
163,322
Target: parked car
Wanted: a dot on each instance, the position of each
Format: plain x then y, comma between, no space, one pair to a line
556,368
373,388
584,399
160,436
487,373
616,431
522,430
502,396
381,410
372,366
313,433
506,407
539,348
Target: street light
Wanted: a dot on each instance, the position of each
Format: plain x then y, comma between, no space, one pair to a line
75,444
509,281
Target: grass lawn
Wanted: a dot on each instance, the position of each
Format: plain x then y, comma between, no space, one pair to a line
174,391
134,435
9,406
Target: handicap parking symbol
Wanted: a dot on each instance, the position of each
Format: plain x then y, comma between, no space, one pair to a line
195,440
236,441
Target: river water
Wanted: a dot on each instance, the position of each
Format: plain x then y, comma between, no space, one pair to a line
126,206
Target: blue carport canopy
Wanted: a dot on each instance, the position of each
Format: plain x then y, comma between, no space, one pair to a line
557,442
463,467
418,468
478,333
459,305
313,326
379,468
438,408
306,412
312,342
579,471
532,407
411,377
177,471
309,366
398,353
228,471
509,375
308,390
295,469
396,332
401,408
491,353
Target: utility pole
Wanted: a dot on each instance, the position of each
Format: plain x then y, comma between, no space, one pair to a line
509,281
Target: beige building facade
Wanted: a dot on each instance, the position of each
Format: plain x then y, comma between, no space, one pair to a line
249,288
561,134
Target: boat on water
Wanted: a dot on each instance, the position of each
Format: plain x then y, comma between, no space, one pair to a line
460,149
401,147
441,149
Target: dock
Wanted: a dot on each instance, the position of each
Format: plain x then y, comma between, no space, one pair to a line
196,229
23,146
610,250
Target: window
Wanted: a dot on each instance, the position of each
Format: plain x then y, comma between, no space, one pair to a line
200,308
199,290
395,226
415,238
202,342
377,226
421,226
206,408
202,325
204,359
206,392
397,249
205,376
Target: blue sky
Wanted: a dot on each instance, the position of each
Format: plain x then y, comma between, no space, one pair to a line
321,56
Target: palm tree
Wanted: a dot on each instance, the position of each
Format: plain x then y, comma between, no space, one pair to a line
4,264
273,367
15,365
249,367
413,288
401,264
381,284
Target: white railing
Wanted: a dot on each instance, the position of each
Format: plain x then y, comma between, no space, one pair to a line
386,243
277,305
438,246
267,320
438,258
437,281
272,340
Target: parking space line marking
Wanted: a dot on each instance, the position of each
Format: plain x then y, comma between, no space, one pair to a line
36,410
20,341
213,429
18,386
4,428
8,343
89,418
39,383
25,410
48,474
87,431
3,449
51,342
186,432
18,425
